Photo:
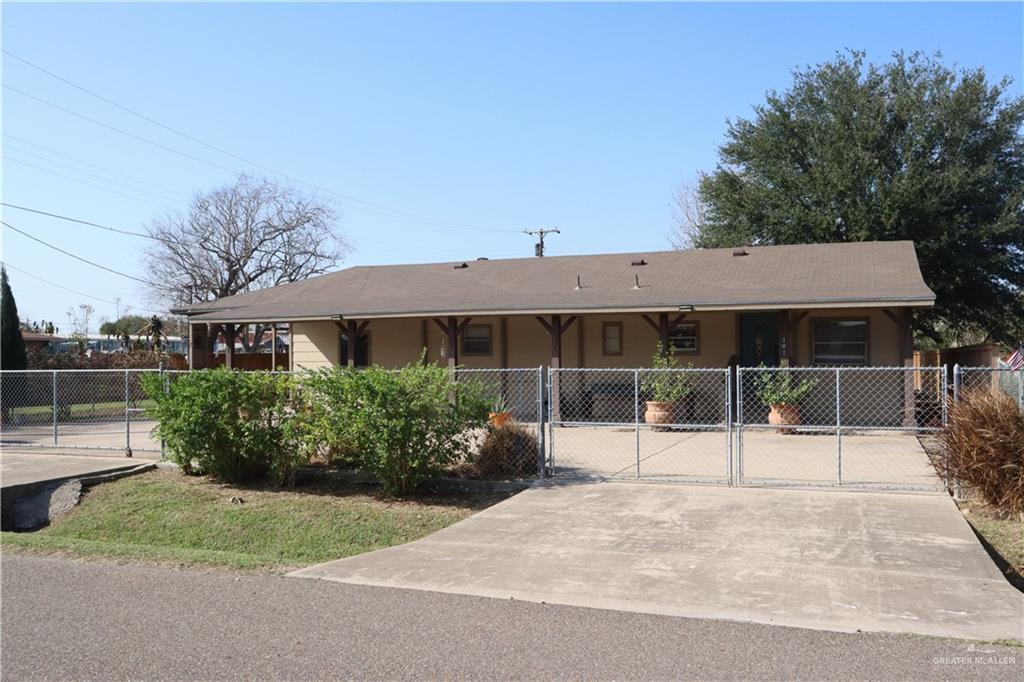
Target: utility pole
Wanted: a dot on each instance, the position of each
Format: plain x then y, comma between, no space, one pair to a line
538,249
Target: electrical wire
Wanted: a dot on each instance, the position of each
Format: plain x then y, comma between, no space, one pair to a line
79,293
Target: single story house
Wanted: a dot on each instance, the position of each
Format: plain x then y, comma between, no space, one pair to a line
813,304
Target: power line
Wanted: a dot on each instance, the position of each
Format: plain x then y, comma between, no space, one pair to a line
88,174
75,256
75,291
82,222
397,212
97,166
90,184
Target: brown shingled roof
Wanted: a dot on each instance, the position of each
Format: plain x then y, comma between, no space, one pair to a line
808,275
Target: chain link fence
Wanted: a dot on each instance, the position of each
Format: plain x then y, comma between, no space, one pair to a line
87,410
513,446
838,426
654,424
1001,379
820,426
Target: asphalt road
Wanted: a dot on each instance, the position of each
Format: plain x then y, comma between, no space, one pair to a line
73,619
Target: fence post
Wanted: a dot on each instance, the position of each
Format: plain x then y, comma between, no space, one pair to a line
55,408
636,416
945,395
1020,388
739,425
551,425
728,425
956,382
839,434
127,420
164,387
540,422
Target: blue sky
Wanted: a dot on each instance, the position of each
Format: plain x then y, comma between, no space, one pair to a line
499,117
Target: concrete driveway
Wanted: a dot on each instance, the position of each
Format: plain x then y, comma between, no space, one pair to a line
824,560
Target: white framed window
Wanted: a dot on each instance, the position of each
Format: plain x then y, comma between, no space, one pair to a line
684,337
839,342
611,338
476,339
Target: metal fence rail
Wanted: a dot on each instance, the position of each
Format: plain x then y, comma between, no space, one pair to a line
76,409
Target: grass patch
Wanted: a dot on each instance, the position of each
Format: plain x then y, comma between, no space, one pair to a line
1004,537
167,517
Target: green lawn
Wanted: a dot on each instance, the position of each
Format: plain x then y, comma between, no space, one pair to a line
1005,535
83,408
167,517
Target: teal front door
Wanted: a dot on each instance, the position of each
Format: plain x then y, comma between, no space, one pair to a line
759,341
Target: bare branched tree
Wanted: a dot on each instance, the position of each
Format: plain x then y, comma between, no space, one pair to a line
689,215
248,235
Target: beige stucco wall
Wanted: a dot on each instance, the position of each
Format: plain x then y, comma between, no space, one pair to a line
396,342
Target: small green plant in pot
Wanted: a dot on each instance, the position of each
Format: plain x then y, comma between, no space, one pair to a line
500,415
779,391
667,392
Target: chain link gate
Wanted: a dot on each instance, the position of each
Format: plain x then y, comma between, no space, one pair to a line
857,427
646,424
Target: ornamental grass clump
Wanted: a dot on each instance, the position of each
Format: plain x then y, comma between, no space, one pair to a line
506,452
983,449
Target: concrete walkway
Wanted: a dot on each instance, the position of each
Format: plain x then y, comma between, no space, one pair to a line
27,468
823,560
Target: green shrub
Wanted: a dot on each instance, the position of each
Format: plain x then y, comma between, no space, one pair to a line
402,426
230,425
778,387
984,448
667,387
506,452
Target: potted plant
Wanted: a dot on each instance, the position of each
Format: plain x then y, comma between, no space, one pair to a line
500,415
666,391
782,394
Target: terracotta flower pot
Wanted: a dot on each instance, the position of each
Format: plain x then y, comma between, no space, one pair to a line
784,415
499,419
659,413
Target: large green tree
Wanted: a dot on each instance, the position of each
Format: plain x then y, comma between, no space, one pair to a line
12,345
911,149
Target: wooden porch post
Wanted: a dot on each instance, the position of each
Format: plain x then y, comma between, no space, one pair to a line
555,329
907,354
273,346
198,346
229,346
352,334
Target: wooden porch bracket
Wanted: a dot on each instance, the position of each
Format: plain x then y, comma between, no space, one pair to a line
663,326
452,329
352,329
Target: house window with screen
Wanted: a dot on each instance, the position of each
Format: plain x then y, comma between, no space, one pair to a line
683,337
839,342
611,333
476,339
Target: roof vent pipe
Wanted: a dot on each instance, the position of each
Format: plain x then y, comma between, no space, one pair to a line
740,252
578,285
462,266
637,279
639,262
